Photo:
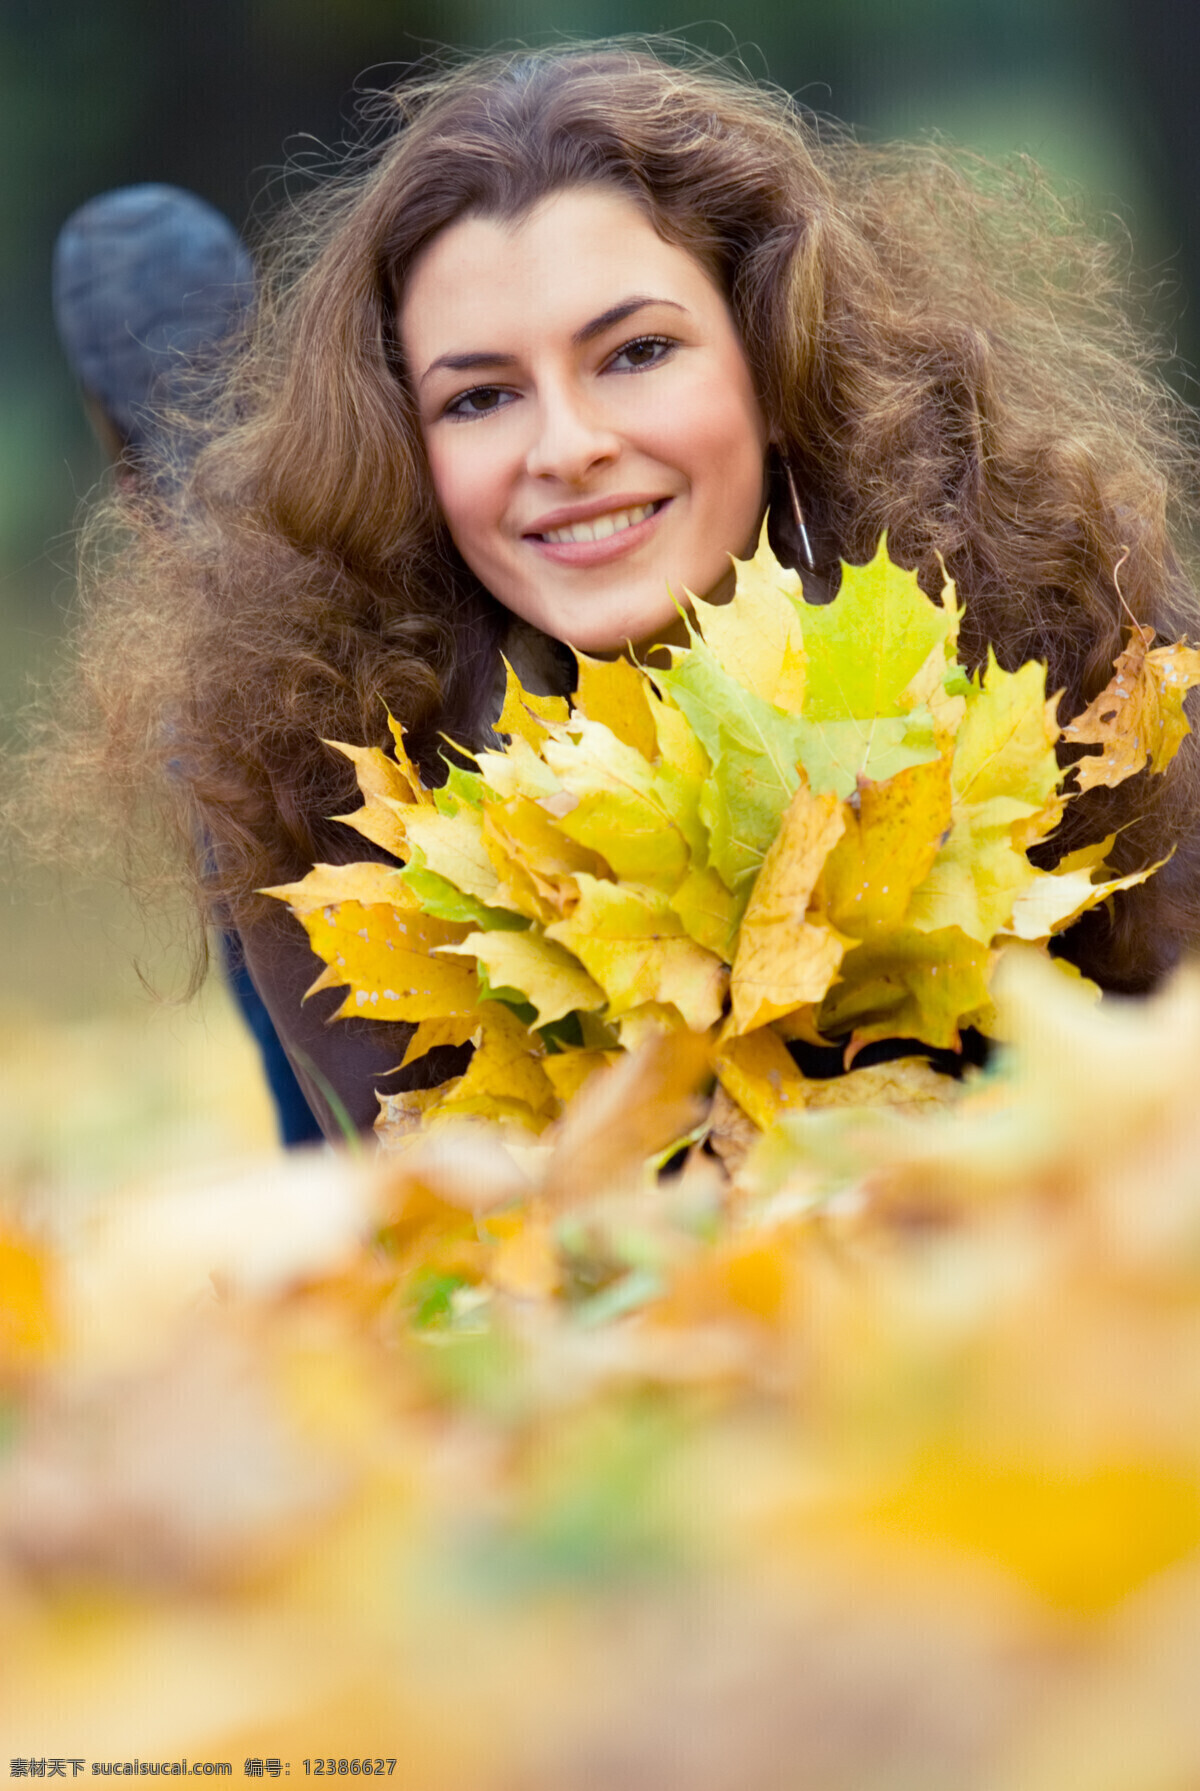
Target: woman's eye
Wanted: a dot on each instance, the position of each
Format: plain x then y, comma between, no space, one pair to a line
480,401
643,351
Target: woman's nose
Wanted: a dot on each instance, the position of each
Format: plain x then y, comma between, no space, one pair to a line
572,438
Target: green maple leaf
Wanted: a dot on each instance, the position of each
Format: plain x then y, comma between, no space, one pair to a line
460,786
866,647
838,754
907,984
754,749
1005,745
438,896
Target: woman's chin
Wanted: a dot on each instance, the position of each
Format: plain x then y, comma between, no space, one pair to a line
635,638
653,647
653,651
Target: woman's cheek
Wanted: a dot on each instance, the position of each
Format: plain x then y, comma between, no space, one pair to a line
465,487
723,432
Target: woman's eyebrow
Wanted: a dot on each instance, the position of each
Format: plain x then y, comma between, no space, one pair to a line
485,357
617,314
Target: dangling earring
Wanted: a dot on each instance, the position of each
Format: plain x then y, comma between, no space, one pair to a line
798,513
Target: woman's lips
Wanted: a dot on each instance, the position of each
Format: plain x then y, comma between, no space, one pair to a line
599,553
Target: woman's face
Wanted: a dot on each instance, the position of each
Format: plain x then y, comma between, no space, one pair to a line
592,430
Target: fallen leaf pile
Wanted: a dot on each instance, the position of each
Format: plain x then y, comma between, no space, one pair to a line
531,1469
813,826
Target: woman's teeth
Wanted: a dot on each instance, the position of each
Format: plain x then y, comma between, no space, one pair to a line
600,527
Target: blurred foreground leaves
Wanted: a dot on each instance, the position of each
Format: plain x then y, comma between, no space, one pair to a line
530,1468
85,1103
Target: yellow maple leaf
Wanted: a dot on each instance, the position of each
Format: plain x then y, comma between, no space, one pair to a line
629,939
758,635
452,847
625,809
395,777
642,1025
614,692
536,863
677,741
386,954
516,886
366,884
1091,857
517,771
1174,670
387,798
551,979
758,1071
1031,830
409,772
1004,775
783,960
568,1071
452,1029
402,1116
1005,745
1138,717
902,1082
978,873
1055,898
888,848
525,715
708,910
505,1073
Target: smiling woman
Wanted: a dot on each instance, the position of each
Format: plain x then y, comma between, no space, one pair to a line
528,374
598,471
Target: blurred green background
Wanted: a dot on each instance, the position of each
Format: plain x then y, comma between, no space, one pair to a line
244,100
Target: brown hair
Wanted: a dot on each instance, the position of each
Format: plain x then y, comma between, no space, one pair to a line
939,348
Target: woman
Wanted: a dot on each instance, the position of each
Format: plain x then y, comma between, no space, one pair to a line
557,345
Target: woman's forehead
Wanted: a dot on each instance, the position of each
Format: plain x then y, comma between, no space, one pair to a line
573,257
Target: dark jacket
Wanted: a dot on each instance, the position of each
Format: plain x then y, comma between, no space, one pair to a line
353,1058
348,1059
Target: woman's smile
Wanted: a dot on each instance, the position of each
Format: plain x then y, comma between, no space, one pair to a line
595,534
593,434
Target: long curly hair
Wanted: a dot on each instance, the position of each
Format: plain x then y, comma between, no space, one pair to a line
940,349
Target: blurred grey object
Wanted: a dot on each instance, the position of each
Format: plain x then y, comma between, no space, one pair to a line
147,282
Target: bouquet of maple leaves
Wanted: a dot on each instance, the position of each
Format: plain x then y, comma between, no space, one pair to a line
813,825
